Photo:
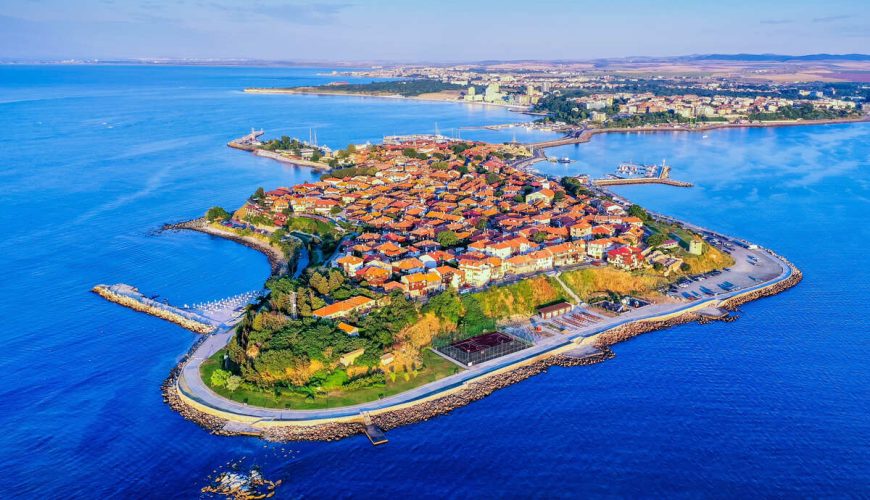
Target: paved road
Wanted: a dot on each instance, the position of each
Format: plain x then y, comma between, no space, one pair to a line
191,384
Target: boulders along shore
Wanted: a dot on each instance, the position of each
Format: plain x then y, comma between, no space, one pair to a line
472,391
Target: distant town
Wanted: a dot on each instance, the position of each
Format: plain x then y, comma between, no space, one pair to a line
611,99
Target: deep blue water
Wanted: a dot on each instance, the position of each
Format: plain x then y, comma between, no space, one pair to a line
93,159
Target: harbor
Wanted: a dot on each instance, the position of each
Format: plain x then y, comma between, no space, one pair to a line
629,173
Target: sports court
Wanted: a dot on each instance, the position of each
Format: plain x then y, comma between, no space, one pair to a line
485,347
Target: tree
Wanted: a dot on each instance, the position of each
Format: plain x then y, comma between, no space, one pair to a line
482,223
336,279
639,212
217,213
447,238
446,305
319,283
656,239
219,378
259,194
233,382
539,237
316,156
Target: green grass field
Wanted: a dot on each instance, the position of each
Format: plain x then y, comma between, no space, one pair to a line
434,367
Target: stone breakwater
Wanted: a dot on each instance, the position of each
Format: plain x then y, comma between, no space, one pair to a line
192,325
277,260
480,389
211,423
473,391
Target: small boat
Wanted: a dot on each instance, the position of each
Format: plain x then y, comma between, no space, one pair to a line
564,159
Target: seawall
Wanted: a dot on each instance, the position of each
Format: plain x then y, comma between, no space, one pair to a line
443,403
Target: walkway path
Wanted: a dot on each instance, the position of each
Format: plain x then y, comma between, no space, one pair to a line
574,296
191,385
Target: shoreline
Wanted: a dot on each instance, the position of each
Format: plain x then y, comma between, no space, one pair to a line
278,261
445,402
290,91
588,134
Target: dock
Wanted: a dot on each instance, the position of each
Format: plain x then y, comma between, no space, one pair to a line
130,296
644,180
248,142
375,434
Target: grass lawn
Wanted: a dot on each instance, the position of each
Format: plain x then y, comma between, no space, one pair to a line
434,367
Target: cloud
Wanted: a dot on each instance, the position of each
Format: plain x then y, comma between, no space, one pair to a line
776,21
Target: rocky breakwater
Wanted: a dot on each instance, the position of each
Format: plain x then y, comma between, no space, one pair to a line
211,423
278,261
479,389
128,296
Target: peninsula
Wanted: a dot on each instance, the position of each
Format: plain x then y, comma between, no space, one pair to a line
437,271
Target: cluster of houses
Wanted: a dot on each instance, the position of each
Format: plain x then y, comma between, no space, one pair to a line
455,214
692,106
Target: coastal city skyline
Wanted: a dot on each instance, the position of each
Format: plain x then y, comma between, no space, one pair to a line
449,31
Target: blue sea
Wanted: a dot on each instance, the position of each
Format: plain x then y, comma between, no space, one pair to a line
93,159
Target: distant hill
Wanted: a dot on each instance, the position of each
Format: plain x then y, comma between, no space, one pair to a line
777,57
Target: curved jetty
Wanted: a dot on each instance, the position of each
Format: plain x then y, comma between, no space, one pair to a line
130,296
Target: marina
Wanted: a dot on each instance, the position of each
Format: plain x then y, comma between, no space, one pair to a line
628,173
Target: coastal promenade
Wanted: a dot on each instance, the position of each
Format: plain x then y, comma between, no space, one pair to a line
770,271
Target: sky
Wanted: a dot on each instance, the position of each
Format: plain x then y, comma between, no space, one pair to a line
426,31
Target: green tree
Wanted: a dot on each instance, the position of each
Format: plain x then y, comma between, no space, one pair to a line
447,238
446,305
217,213
656,239
233,382
259,194
219,378
639,212
336,279
319,283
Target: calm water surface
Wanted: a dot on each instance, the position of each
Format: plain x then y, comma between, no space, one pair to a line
93,159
